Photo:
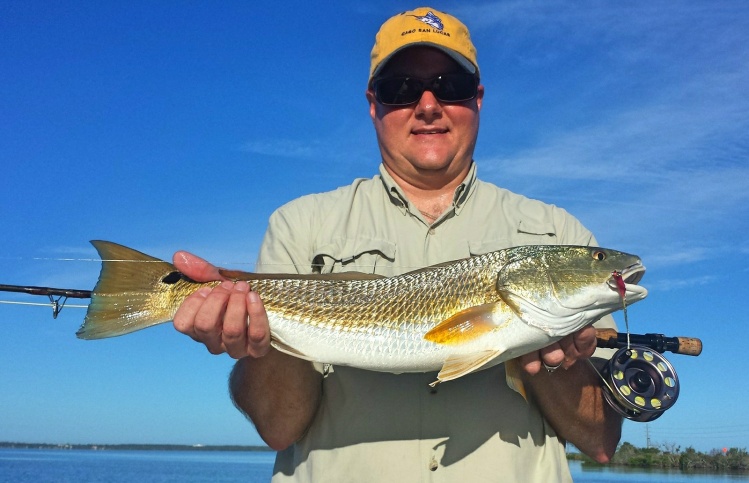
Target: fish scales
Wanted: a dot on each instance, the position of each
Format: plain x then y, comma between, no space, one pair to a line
382,320
406,303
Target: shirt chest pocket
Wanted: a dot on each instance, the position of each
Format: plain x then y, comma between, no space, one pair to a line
525,233
535,233
366,255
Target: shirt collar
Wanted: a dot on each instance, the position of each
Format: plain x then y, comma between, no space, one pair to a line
397,197
465,189
462,192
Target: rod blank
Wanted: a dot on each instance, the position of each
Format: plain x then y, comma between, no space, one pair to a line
611,339
61,292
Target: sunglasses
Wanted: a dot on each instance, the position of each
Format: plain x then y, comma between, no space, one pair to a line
405,90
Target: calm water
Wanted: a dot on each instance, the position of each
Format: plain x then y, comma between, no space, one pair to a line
32,465
39,466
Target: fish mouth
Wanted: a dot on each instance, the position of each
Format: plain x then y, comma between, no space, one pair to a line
631,275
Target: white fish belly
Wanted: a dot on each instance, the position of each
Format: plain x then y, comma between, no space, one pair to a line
403,349
373,348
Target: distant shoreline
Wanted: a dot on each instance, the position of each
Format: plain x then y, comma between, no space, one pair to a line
671,457
133,447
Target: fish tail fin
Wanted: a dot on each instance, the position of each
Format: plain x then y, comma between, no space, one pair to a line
129,295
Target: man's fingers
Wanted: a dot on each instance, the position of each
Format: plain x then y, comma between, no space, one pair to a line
195,267
553,355
218,317
563,353
531,363
185,316
585,341
234,334
208,320
258,333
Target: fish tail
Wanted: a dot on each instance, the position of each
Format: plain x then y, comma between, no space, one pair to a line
129,295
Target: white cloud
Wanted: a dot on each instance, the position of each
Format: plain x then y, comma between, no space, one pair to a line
665,285
679,257
286,148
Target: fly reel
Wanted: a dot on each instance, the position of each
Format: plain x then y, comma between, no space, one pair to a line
640,383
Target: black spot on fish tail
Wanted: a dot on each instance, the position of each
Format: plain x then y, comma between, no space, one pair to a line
172,278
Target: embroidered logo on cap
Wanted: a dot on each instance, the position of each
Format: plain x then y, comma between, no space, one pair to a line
431,19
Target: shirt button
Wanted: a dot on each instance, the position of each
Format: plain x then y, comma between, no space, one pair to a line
432,231
433,465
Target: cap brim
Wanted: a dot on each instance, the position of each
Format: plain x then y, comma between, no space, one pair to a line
461,61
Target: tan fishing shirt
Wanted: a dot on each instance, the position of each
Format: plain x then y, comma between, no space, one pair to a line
394,428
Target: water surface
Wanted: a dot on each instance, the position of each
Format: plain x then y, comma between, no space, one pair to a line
88,466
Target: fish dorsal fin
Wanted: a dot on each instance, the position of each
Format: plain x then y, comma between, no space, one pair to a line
434,267
466,325
346,276
459,365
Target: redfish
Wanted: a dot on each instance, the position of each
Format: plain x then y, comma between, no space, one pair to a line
454,317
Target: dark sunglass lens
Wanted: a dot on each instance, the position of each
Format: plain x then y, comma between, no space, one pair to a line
455,87
398,91
402,91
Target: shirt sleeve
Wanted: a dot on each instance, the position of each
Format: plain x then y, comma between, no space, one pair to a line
286,245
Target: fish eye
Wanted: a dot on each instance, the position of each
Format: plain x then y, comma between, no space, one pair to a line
599,255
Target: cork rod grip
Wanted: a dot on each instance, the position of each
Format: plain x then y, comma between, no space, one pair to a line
689,346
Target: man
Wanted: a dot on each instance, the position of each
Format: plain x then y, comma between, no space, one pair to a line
425,207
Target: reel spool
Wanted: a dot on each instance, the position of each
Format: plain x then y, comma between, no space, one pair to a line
640,383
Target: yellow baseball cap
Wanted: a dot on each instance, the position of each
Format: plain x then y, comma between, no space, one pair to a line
423,26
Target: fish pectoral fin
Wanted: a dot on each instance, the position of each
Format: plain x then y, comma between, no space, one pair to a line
287,349
459,365
512,376
509,298
466,325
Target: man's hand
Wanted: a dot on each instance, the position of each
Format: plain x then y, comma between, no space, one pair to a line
566,351
228,318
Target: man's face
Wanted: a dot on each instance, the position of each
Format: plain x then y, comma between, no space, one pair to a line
430,143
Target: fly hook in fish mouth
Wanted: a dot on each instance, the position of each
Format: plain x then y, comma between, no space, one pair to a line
630,275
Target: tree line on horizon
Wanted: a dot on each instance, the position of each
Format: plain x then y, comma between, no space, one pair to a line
671,456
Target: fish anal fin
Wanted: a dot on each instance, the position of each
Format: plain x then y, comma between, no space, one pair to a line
464,326
459,365
287,349
512,376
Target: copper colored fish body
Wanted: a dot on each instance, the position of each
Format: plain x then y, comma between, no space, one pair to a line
454,318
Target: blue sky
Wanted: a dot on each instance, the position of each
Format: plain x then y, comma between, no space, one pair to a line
166,127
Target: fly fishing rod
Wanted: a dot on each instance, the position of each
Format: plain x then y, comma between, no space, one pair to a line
607,338
62,292
58,303
639,383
